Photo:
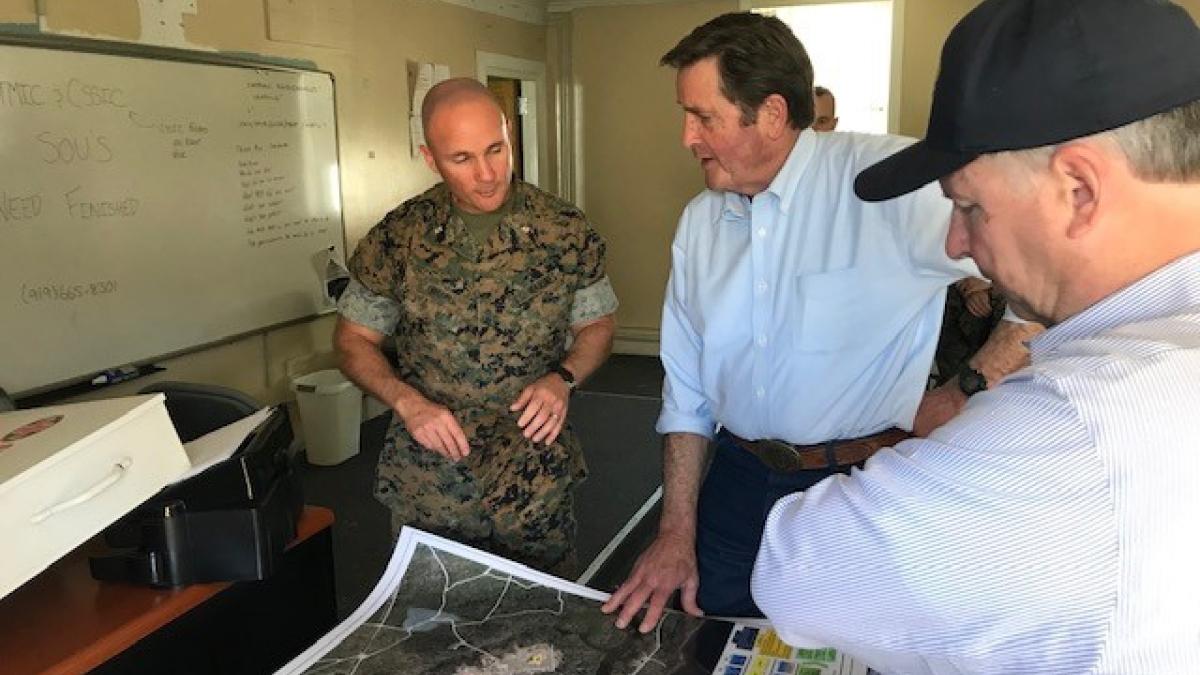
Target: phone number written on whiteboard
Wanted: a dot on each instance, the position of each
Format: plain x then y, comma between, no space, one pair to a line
66,292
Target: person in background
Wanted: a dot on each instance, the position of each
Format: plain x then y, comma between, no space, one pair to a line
825,110
974,309
1051,526
483,280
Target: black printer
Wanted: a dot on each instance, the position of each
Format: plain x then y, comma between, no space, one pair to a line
230,522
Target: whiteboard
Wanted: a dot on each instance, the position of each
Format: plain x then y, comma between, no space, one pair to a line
150,206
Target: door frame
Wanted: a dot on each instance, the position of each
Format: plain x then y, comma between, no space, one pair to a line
532,75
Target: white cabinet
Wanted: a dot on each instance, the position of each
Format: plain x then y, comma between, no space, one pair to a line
68,471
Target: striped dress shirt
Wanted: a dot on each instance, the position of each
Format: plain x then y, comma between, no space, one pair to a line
1052,527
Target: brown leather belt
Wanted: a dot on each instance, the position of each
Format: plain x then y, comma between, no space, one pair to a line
787,458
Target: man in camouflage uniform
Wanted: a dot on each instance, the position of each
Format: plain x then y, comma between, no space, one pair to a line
973,310
484,281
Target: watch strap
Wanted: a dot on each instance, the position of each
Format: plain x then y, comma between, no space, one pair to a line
567,376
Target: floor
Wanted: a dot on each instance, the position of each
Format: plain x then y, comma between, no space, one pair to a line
613,414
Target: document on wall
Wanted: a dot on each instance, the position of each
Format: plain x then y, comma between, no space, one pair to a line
425,75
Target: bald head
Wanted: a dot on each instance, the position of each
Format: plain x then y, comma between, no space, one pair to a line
448,94
467,144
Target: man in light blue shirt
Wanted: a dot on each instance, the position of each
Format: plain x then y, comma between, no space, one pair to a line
1050,527
799,321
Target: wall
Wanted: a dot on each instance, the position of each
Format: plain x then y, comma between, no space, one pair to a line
636,176
369,67
926,25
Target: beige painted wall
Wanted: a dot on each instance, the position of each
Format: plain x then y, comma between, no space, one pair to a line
926,25
636,175
372,100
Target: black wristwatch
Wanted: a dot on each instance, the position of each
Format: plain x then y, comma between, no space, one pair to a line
567,376
971,381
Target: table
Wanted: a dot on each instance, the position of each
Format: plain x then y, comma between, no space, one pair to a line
63,621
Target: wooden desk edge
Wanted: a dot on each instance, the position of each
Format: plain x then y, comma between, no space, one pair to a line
165,605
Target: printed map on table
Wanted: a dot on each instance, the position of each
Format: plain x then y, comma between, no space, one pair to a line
447,609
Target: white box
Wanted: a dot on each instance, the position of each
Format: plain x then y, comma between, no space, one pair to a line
84,466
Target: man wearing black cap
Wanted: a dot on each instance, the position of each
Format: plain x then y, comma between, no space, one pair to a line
1050,527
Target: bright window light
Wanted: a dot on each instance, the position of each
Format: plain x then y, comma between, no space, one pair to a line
850,44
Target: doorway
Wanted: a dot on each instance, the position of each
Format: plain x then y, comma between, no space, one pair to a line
525,96
507,90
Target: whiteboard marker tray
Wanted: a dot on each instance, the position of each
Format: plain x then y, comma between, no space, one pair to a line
68,471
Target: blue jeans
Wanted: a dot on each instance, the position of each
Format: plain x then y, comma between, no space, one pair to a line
736,497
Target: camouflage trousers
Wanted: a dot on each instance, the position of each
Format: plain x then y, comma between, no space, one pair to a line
509,497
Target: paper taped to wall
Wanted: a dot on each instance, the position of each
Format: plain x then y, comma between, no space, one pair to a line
424,76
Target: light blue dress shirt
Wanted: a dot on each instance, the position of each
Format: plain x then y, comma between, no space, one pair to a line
1051,527
805,314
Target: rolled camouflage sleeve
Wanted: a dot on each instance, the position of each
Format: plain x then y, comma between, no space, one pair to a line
591,258
593,302
364,307
376,262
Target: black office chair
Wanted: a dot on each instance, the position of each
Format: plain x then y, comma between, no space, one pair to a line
196,409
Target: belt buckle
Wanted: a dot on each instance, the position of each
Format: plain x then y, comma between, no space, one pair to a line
780,456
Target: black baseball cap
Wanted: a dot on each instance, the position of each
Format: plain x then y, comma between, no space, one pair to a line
1019,74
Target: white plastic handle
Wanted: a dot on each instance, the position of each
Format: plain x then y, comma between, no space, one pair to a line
115,475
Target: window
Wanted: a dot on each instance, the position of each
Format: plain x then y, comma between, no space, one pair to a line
850,45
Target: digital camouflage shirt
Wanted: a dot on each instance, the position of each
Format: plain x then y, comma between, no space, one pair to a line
475,322
963,333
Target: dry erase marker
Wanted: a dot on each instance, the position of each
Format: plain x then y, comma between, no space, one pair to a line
115,375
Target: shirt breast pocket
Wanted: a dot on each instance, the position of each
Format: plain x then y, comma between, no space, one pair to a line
425,283
530,288
846,309
538,299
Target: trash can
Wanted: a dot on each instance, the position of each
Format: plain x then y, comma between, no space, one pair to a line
330,412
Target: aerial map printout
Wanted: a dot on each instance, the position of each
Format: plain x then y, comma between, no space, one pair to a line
446,609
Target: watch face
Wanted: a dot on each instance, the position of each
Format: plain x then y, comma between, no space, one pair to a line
971,381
